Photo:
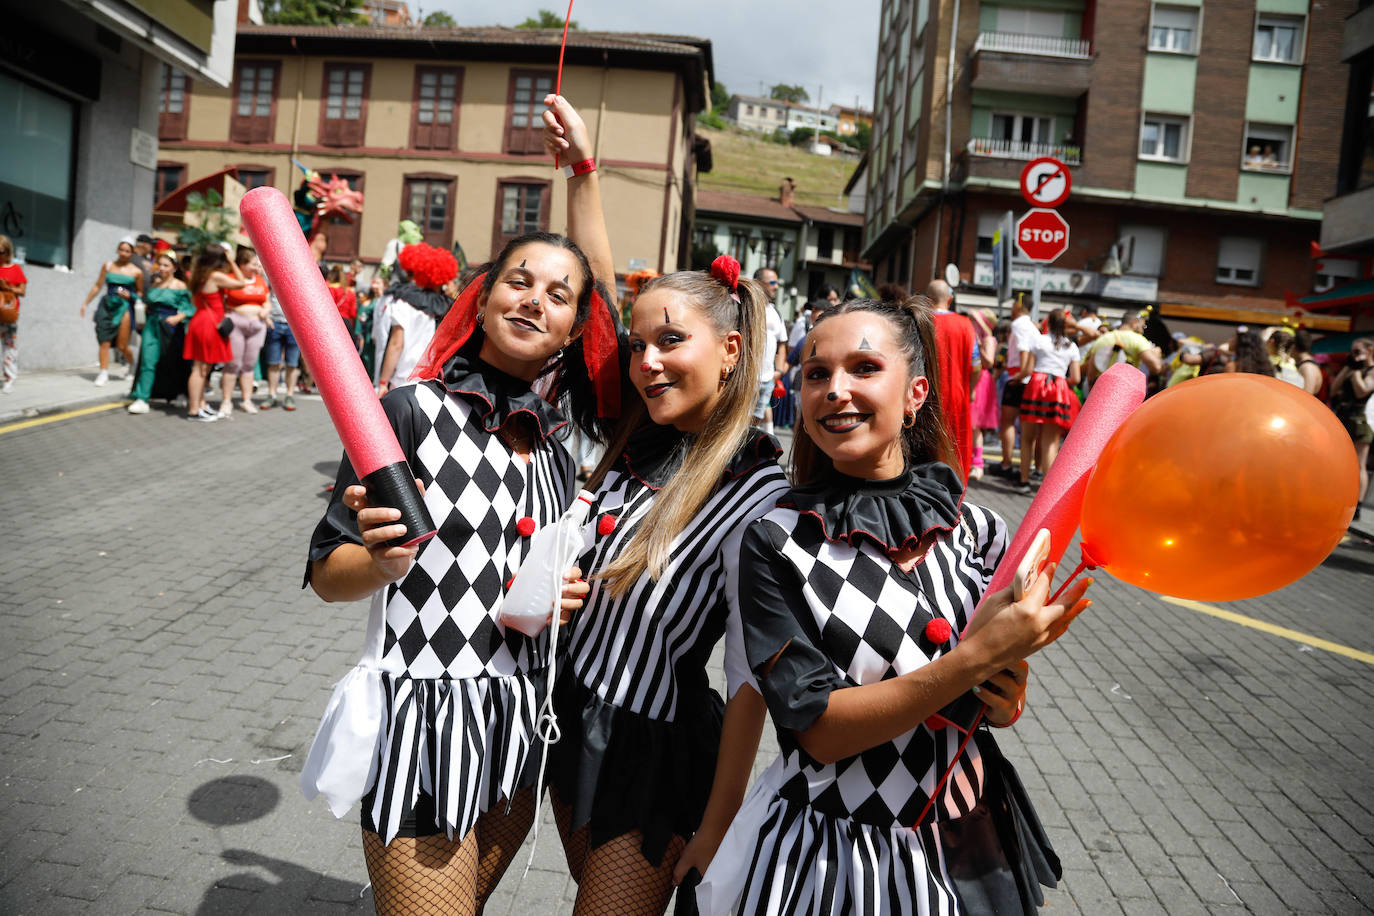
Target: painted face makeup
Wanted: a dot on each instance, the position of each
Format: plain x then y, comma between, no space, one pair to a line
529,313
680,359
855,393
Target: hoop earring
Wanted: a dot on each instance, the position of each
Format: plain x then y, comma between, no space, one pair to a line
559,355
480,316
908,420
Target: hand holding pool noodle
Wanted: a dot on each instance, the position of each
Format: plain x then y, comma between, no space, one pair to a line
347,391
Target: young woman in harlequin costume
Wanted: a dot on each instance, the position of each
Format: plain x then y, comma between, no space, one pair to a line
853,594
447,812
642,780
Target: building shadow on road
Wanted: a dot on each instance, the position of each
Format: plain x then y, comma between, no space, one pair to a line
265,884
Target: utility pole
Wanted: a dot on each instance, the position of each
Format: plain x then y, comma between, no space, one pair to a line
816,136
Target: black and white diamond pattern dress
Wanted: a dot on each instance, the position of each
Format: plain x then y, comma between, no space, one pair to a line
462,691
816,579
641,726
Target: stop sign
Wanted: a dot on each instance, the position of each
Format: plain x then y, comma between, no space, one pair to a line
1042,235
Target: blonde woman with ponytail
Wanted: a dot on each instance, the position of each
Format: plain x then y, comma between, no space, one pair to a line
641,795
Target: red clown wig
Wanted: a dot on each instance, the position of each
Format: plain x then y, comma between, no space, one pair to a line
428,266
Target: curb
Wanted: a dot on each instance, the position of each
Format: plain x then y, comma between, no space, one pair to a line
33,413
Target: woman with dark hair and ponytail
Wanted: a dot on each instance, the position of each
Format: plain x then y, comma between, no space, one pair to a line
448,803
652,764
857,596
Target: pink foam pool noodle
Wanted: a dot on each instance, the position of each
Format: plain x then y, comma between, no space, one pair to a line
1058,505
328,349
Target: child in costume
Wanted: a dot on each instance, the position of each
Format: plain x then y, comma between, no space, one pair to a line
854,592
445,812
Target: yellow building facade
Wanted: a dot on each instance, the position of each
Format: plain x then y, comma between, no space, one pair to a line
442,126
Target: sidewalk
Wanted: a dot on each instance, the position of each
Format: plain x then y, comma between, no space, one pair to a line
48,391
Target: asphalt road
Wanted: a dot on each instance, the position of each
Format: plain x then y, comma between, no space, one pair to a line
162,673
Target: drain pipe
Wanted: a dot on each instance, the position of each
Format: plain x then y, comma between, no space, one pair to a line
949,125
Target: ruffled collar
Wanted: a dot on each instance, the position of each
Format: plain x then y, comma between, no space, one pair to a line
497,395
654,452
894,514
432,302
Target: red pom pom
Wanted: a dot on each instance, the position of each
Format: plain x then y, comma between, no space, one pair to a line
605,525
779,390
726,270
525,526
938,631
428,266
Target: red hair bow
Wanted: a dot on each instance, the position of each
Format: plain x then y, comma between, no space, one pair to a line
726,270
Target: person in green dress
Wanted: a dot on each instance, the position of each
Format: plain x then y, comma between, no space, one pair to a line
122,281
169,304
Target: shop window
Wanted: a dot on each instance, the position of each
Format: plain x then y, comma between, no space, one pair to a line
36,171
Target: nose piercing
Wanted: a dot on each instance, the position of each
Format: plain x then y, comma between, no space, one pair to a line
645,368
832,395
534,302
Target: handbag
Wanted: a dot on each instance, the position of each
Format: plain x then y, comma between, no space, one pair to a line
226,327
342,763
9,307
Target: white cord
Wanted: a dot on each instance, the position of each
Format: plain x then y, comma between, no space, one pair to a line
546,723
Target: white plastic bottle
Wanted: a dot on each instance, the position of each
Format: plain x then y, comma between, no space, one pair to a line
538,585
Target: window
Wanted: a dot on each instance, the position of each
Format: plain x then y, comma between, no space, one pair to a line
255,176
1164,139
1332,272
1143,250
525,123
1023,128
749,110
343,235
825,243
1174,28
770,252
1238,260
703,237
343,112
435,124
428,202
1030,22
36,170
255,97
522,205
1268,148
171,118
739,245
170,176
1278,39
780,114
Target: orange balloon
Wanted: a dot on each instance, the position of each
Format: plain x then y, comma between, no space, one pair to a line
1220,488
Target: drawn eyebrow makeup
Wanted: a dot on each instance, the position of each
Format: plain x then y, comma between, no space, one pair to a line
522,264
865,345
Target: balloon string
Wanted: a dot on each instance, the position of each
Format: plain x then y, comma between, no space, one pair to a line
1083,565
945,778
558,83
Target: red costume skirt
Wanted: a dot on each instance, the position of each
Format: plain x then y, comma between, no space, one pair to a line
1048,399
203,341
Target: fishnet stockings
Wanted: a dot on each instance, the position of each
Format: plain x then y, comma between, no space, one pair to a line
614,879
418,876
499,837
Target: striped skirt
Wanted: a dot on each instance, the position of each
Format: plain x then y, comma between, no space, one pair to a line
1047,399
464,744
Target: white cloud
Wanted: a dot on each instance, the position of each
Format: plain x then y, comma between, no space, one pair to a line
830,45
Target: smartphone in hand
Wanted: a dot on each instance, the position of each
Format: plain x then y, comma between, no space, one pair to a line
1037,555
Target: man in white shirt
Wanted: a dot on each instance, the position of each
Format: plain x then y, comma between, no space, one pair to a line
1019,346
773,361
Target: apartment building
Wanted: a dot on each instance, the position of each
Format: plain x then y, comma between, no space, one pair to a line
442,126
1202,137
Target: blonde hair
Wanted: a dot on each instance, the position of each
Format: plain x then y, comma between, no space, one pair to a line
691,485
6,245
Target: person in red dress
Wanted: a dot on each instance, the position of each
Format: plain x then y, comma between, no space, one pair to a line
956,346
213,273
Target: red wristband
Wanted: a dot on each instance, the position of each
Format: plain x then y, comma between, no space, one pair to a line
1019,710
579,168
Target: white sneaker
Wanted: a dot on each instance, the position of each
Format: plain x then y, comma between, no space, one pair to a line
102,378
225,411
7,387
248,407
139,406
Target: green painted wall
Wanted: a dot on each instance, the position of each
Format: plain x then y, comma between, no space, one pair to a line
1272,93
1023,101
1161,179
1291,7
1169,83
1266,192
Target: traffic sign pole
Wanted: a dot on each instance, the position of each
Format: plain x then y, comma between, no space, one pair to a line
1035,294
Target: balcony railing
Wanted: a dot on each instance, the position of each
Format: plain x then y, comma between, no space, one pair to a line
1043,45
1016,149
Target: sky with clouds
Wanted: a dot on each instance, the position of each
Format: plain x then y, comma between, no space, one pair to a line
753,42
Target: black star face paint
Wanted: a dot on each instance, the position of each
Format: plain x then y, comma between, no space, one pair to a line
865,345
813,350
522,264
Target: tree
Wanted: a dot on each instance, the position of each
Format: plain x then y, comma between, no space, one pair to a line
547,19
863,136
801,136
720,97
439,20
795,94
313,12
206,221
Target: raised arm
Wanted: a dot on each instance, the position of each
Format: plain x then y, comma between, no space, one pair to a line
565,135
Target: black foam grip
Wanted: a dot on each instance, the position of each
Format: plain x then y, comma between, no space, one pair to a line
394,486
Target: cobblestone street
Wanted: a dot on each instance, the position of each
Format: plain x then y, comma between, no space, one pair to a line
163,673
